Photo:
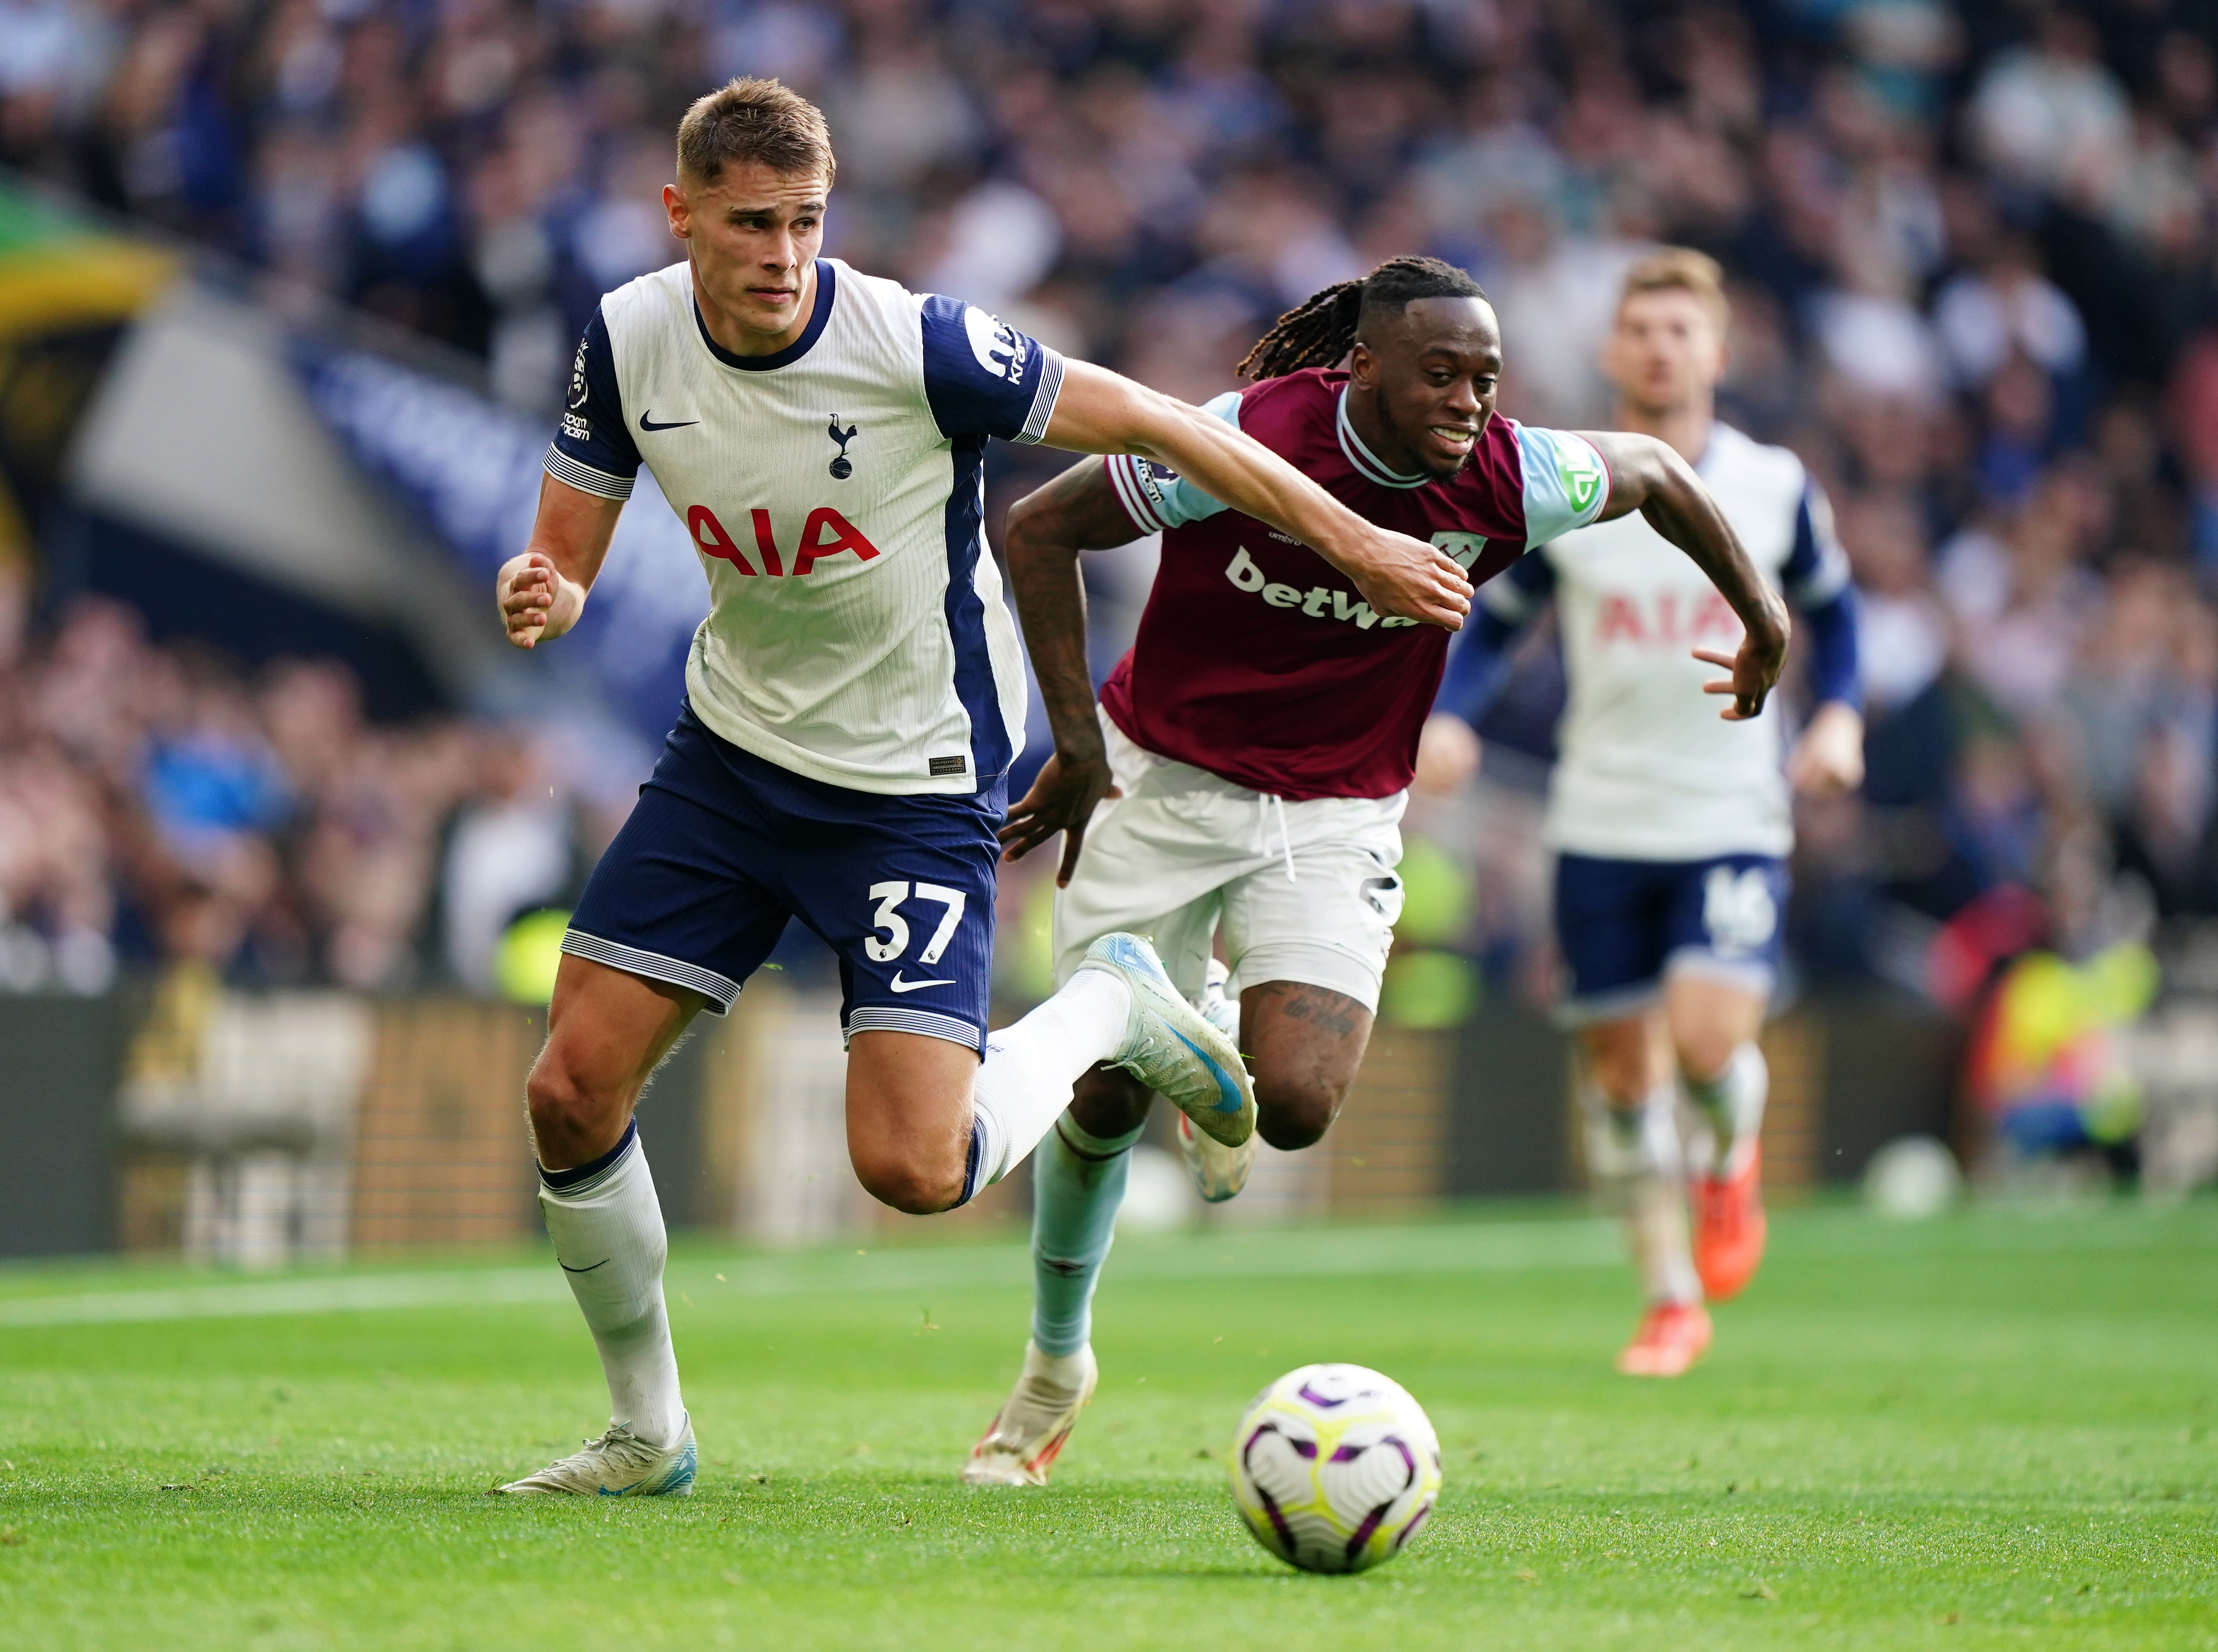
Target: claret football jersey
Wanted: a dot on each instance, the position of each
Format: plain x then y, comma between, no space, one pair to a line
856,631
1257,658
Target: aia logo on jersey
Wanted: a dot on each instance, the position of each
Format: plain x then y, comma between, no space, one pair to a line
1665,619
826,532
999,347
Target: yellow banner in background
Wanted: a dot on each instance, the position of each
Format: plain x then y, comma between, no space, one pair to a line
58,276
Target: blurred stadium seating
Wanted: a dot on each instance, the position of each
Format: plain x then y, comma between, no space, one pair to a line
251,738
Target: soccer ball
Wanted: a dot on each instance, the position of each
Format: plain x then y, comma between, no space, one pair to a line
1335,1467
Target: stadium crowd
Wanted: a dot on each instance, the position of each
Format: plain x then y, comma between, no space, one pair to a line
158,803
1971,248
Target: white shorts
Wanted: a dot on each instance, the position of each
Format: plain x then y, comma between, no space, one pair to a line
1306,892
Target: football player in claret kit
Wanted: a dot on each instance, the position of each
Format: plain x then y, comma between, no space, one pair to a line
1671,832
1247,766
854,701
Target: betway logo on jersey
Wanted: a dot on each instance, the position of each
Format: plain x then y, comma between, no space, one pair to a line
825,533
1317,603
1665,619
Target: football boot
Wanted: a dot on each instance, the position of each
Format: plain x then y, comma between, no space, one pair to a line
1671,1338
617,1464
1027,1433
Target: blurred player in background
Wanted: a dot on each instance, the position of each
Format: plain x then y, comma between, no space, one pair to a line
854,701
1671,832
1248,765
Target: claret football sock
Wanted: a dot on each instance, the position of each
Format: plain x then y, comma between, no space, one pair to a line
1634,1156
1078,1182
607,1228
1023,1084
1731,1102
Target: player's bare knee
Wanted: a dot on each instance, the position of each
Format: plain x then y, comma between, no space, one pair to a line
1291,1114
568,1116
1618,1062
1107,1101
911,1185
1703,1052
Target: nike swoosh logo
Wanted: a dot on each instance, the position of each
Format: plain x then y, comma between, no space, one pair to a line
646,422
1228,1093
901,986
566,1268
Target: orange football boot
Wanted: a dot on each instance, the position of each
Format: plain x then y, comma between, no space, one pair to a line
1729,1230
1672,1337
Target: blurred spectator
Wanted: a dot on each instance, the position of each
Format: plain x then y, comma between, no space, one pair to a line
155,803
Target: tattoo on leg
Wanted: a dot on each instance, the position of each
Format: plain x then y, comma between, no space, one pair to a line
1323,1009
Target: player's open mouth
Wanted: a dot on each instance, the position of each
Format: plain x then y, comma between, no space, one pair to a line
1458,438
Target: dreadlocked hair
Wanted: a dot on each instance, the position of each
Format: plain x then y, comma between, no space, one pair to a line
1320,332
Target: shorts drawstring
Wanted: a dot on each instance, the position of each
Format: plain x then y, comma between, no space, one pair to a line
1264,802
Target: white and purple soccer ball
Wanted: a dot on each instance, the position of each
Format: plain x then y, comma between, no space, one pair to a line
1335,1468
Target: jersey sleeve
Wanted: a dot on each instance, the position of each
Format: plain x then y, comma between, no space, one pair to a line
1816,568
1478,660
1816,579
982,377
1566,482
1157,497
1520,591
592,450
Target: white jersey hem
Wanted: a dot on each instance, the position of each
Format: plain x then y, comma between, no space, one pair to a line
761,743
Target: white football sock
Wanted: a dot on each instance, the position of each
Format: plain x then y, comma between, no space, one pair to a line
1633,1154
1731,1102
1078,1182
607,1228
1023,1084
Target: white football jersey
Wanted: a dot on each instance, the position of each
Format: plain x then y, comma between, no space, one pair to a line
1646,770
856,631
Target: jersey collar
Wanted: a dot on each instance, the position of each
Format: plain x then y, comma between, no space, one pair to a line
1366,463
827,289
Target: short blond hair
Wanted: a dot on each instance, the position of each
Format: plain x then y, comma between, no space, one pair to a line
1681,270
748,120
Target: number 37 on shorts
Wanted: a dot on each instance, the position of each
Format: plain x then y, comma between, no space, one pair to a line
924,959
893,935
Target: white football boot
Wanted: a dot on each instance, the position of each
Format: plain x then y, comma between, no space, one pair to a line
1029,1430
1169,1047
618,1464
1218,1171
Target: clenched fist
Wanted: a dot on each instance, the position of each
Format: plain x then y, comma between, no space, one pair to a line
537,603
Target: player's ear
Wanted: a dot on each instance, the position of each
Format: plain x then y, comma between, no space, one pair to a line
680,210
1362,364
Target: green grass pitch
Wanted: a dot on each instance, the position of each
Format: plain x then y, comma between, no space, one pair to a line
1991,1431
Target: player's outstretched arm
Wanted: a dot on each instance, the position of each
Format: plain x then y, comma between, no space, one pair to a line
1649,476
541,592
1047,528
1101,411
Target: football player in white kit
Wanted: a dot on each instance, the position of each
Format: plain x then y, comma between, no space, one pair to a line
1672,832
853,702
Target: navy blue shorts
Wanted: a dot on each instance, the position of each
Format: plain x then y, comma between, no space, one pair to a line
723,847
1624,924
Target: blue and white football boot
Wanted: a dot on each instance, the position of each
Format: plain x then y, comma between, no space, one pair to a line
1171,1050
618,1464
1218,1171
